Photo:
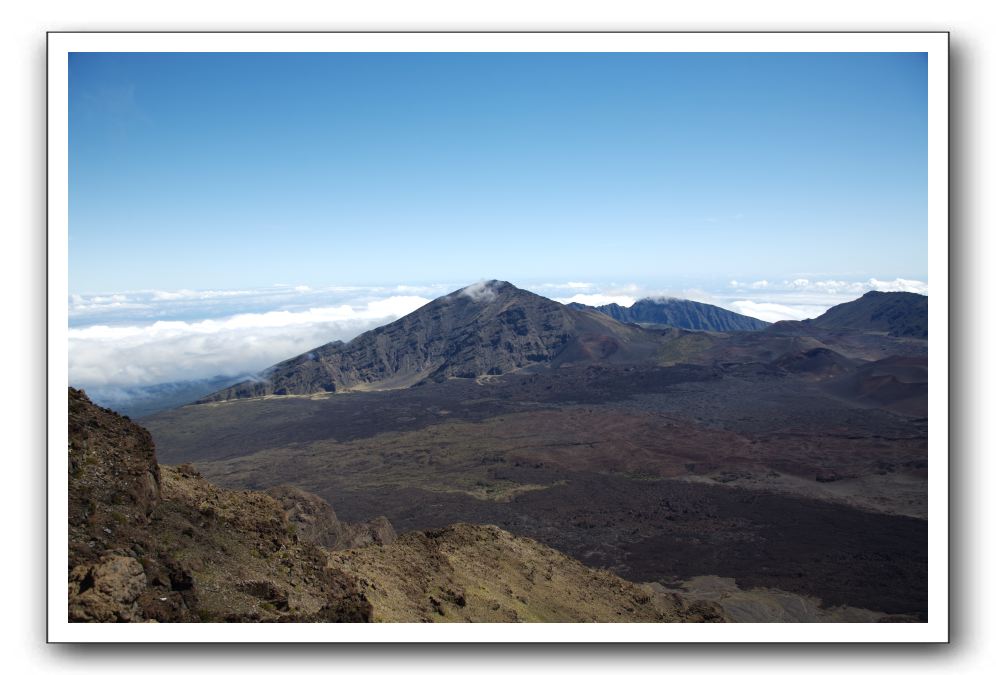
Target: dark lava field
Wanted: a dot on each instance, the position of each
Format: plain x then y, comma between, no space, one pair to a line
780,474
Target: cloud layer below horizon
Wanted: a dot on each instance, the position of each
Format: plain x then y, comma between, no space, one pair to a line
152,337
122,353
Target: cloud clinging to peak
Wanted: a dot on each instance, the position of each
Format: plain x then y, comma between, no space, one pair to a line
482,291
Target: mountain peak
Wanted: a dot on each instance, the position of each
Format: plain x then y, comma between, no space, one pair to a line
487,328
484,291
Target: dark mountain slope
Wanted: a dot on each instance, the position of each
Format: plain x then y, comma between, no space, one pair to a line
897,314
486,329
679,314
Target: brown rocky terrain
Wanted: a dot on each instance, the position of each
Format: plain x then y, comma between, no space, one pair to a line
158,543
771,605
483,573
151,543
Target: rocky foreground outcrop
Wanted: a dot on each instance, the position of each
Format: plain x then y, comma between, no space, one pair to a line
314,520
151,543
156,543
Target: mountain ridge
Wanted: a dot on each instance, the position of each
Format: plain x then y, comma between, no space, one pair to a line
493,328
678,313
896,313
486,329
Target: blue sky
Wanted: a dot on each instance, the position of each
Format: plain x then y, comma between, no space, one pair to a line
228,211
228,171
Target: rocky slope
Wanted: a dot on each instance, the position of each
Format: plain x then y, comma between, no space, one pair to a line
483,573
151,543
485,329
678,313
155,543
897,314
773,605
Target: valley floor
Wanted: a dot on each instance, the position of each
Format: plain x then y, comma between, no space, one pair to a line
659,474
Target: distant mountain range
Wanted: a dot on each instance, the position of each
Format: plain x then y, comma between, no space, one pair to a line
141,400
493,328
678,313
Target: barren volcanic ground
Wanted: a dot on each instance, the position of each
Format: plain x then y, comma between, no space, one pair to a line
747,472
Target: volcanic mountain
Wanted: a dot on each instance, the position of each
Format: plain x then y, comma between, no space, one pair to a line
678,313
899,314
488,328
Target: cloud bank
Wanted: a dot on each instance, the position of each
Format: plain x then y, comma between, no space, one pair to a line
803,297
105,355
834,287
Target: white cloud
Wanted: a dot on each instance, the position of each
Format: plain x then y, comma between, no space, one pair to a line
184,294
773,311
908,285
175,350
598,299
480,292
853,289
696,294
804,298
432,290
565,286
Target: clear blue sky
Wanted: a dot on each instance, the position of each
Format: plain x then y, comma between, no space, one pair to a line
243,170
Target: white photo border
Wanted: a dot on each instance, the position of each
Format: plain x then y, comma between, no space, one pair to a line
934,44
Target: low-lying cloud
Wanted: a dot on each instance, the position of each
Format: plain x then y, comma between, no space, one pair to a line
773,311
834,286
803,297
176,350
